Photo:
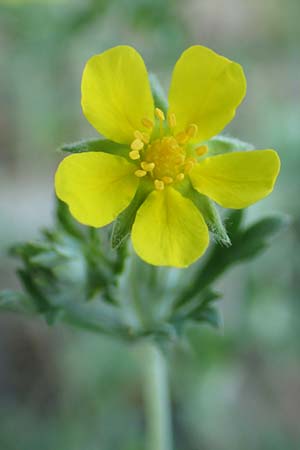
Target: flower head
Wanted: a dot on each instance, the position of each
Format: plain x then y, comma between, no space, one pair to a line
162,152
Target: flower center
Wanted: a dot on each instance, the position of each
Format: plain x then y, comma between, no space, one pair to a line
165,160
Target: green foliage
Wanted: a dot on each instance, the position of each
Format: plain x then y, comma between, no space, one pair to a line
71,274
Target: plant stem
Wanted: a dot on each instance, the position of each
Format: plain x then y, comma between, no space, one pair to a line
157,401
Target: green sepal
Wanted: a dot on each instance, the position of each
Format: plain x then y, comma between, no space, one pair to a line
123,224
226,144
211,216
96,145
159,96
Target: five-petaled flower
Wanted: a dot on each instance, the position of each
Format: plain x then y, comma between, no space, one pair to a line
164,154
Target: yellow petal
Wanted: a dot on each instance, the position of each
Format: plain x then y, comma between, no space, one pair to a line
116,93
206,89
238,179
96,186
169,230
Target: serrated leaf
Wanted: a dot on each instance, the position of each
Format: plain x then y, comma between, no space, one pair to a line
123,224
226,144
257,236
96,145
209,315
246,244
66,221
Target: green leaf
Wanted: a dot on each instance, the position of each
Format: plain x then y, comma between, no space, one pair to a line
257,236
123,224
226,144
96,145
210,315
211,216
66,221
159,96
246,244
18,302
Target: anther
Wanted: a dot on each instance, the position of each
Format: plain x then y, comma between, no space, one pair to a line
179,159
167,180
137,144
192,130
189,164
148,166
172,120
147,123
134,154
159,114
145,138
202,150
140,173
138,135
180,177
159,185
182,137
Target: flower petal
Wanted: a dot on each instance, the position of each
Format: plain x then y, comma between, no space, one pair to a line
116,93
238,179
206,89
96,186
169,230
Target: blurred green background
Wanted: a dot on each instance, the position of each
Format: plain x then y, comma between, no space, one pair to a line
234,389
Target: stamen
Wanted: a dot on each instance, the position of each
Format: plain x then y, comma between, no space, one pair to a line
202,150
168,180
181,137
140,173
190,162
145,138
192,130
172,120
138,135
180,177
137,144
159,114
148,166
159,185
134,154
147,123
179,159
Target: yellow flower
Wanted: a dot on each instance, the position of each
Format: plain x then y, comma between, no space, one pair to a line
164,154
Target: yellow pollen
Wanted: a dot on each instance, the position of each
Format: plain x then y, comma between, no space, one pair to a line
180,177
192,130
167,180
148,166
138,135
167,156
145,138
172,120
202,150
159,185
180,159
159,114
140,173
147,123
190,162
134,154
137,144
181,137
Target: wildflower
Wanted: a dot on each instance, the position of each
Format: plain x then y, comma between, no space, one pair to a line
165,153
